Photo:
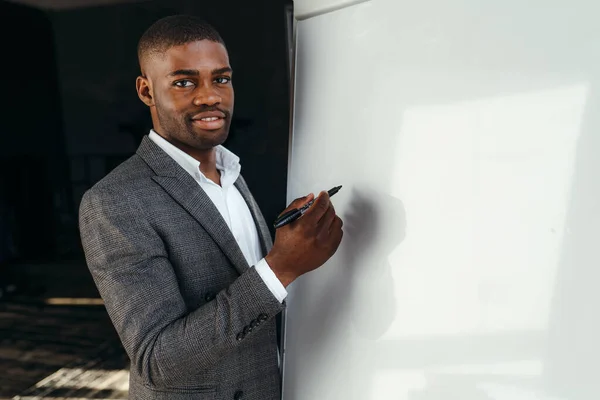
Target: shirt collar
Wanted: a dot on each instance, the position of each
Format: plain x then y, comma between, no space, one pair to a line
227,162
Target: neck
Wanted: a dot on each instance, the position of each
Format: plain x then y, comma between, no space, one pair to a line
208,165
207,159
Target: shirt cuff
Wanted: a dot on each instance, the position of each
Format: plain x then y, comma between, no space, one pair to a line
271,280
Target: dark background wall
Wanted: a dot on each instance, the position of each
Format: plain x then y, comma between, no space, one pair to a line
71,114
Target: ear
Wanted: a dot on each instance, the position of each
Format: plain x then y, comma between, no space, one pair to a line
142,86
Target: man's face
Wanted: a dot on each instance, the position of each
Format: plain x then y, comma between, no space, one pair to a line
190,94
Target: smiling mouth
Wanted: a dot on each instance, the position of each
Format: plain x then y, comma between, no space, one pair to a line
209,123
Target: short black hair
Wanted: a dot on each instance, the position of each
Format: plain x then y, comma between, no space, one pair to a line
175,30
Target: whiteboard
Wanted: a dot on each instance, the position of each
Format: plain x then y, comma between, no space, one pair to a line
466,135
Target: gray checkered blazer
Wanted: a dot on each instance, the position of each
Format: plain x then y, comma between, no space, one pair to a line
195,320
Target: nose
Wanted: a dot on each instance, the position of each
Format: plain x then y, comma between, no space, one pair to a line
207,96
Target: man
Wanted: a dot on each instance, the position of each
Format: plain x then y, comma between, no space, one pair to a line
178,247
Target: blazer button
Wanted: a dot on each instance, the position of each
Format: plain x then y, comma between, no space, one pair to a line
254,323
246,330
263,317
238,395
240,336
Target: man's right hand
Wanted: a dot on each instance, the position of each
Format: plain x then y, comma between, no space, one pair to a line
308,242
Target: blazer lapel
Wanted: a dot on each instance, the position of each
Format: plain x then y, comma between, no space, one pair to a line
186,191
263,231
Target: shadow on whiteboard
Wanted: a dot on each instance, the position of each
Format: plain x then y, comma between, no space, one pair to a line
374,226
353,294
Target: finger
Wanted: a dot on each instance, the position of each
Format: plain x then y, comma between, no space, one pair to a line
336,230
324,223
331,205
299,202
336,224
318,209
331,208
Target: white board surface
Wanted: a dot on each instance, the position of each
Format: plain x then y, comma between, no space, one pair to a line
310,8
466,136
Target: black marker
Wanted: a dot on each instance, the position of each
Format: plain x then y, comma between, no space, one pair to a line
296,213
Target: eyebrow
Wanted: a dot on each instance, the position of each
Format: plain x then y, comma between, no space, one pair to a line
195,72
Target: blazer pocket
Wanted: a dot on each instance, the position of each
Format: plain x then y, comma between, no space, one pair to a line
208,391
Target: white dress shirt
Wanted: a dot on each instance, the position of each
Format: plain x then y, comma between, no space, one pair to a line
230,204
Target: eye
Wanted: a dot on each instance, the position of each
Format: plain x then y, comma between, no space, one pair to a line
223,80
184,83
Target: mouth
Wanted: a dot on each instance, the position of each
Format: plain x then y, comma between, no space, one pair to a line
209,121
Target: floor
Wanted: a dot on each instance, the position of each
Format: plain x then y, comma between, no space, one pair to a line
56,340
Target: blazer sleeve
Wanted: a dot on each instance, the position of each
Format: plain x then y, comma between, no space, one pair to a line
134,276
